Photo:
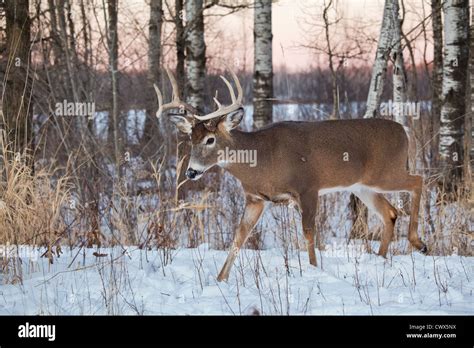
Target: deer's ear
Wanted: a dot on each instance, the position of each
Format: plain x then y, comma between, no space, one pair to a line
182,124
233,119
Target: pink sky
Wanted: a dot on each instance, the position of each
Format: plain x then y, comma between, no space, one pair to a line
231,37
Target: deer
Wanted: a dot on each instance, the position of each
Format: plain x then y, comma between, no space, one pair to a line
298,161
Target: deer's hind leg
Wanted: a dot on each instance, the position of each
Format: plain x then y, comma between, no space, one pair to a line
413,184
385,211
253,210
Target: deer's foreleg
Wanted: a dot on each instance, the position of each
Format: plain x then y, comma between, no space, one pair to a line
309,208
253,210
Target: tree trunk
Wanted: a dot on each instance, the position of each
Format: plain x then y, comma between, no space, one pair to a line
71,87
150,130
453,110
263,65
399,74
195,54
16,106
112,43
469,128
437,79
180,45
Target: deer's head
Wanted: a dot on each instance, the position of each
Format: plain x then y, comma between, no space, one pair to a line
209,134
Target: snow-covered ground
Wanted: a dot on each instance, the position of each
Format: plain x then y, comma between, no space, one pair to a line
134,281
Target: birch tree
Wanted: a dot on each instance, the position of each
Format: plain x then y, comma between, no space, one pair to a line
454,111
436,78
399,73
195,54
263,65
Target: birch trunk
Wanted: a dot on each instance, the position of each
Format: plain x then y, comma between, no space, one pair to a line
263,64
400,94
437,79
380,65
453,110
155,24
399,74
195,54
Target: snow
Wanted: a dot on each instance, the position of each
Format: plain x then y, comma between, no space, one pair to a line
348,281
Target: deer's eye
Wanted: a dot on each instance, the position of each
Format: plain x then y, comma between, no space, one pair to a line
210,141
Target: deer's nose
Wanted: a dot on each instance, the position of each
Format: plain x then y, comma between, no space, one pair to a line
191,173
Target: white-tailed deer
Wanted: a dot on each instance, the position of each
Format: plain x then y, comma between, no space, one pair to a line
299,161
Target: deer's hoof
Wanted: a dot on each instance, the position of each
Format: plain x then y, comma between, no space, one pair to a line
222,278
424,249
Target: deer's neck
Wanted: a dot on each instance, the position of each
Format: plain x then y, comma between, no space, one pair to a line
242,154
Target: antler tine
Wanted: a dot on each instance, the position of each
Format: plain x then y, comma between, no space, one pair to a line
160,100
174,85
176,100
229,87
240,93
219,105
236,101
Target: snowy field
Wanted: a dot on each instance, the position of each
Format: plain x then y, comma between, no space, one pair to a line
268,282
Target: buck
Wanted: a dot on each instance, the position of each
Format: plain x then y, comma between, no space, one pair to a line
299,161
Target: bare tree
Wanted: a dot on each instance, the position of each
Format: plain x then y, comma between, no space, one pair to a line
263,65
16,99
335,87
454,108
321,38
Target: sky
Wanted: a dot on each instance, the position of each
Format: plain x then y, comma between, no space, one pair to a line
296,24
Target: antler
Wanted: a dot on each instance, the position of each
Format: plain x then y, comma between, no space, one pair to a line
176,100
236,101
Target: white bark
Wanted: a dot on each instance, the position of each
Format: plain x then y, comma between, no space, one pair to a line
195,54
380,65
455,70
399,74
437,77
263,63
